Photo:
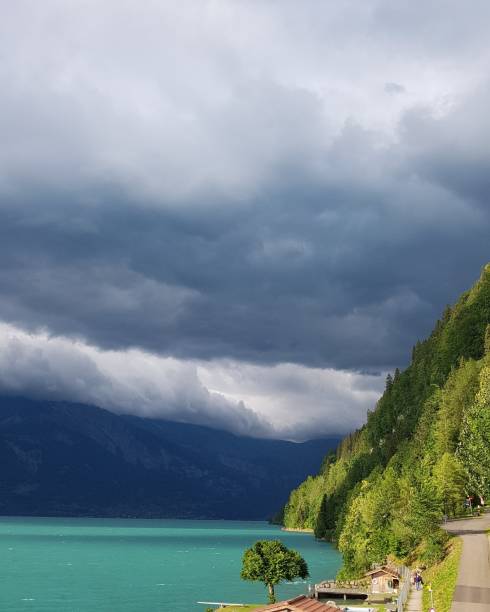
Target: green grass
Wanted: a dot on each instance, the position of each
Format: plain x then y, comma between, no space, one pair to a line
442,577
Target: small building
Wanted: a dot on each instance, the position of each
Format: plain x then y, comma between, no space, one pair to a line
384,580
351,589
300,604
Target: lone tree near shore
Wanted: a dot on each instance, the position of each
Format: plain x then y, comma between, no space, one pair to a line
270,562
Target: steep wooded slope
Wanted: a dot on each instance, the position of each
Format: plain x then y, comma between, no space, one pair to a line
425,447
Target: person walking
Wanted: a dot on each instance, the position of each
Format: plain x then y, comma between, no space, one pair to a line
414,603
418,581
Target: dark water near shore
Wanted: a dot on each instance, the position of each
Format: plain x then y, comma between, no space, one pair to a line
138,565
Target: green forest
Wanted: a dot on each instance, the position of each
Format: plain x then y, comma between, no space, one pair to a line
424,449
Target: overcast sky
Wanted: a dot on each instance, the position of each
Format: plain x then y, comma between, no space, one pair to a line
236,213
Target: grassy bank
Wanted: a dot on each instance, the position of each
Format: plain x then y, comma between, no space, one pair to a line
442,577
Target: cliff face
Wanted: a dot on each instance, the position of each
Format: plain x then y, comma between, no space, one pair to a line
424,449
68,459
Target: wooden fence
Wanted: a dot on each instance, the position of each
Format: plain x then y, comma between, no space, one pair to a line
406,581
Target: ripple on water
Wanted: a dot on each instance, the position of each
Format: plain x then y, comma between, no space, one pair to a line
199,561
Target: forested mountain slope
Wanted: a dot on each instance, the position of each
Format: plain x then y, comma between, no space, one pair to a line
425,447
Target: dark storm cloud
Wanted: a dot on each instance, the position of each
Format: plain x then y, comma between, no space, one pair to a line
346,270
453,151
230,183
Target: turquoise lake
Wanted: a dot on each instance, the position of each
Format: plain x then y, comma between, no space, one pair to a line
139,565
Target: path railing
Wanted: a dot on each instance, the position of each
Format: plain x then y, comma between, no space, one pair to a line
406,580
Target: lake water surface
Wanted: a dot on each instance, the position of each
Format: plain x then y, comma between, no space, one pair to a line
68,565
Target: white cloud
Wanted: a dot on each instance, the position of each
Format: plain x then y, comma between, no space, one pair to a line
299,401
286,400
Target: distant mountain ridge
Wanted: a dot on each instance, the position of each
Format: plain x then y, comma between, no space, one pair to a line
61,458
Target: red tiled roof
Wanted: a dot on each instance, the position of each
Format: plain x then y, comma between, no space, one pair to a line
299,604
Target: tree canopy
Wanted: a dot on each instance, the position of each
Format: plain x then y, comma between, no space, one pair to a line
270,562
424,448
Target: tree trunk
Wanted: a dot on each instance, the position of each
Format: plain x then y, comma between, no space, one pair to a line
272,595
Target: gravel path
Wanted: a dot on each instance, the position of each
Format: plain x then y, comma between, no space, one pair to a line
414,603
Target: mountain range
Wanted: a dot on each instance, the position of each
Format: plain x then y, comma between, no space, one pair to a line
67,459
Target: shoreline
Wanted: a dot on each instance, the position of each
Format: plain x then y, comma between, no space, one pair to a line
297,529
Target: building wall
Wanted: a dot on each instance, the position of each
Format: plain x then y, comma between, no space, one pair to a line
379,584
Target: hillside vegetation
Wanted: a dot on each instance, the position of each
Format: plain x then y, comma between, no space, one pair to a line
442,578
424,448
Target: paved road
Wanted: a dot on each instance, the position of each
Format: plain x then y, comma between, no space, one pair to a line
473,584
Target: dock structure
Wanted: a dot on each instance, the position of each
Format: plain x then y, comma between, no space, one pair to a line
331,589
221,604
382,584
